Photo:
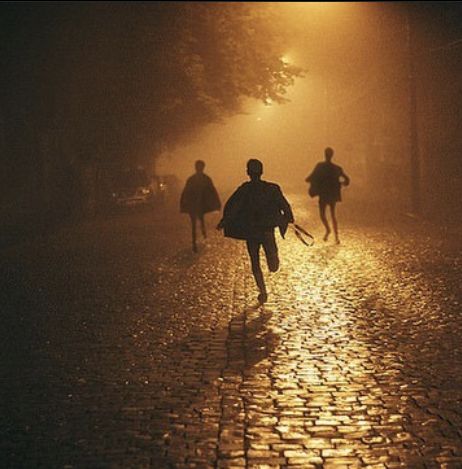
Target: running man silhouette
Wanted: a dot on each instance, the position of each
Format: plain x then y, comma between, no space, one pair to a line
252,213
326,181
199,197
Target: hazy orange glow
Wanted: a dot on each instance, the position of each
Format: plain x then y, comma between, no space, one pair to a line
353,97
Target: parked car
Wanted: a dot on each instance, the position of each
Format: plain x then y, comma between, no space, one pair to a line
133,187
168,187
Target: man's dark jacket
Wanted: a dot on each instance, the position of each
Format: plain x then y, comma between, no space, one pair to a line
199,195
256,207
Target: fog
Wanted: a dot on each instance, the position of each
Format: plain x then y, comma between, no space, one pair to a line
287,145
90,88
354,97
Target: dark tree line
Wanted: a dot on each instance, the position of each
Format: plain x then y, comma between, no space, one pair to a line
89,86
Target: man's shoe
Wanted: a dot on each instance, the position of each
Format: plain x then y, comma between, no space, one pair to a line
262,298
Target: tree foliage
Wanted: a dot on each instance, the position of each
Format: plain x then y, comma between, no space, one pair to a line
124,80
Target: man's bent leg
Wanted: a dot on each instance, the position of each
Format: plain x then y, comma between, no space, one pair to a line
193,231
202,221
322,213
271,251
253,247
334,222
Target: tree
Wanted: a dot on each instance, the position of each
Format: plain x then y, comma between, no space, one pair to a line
157,72
115,83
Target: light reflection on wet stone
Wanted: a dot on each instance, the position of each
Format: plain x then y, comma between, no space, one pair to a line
355,362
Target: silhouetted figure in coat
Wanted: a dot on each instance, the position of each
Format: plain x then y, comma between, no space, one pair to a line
326,181
199,197
252,213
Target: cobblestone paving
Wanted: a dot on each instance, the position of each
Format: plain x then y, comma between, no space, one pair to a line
137,353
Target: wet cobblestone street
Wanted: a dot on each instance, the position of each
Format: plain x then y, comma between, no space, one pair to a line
123,349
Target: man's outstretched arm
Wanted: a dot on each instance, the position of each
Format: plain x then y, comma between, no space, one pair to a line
286,208
346,179
313,174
